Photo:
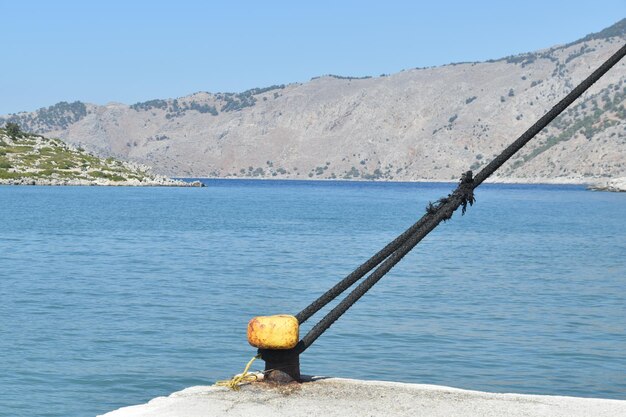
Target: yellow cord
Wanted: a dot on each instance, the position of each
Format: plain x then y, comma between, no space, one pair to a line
240,379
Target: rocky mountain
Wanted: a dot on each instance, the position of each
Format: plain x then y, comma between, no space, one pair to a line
418,124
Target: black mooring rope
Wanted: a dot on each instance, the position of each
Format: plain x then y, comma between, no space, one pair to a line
548,117
463,195
358,273
443,211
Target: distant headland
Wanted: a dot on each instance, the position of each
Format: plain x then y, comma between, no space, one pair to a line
29,159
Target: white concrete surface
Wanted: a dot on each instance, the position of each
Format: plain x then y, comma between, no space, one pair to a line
346,397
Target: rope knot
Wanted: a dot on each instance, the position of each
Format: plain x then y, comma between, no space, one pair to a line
463,195
466,190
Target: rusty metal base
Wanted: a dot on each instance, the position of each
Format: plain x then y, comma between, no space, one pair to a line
281,366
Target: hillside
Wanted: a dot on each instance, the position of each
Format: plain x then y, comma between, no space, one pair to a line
29,159
419,124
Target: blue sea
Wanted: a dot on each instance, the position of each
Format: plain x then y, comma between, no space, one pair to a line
113,296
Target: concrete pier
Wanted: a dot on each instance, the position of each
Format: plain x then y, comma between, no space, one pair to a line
330,397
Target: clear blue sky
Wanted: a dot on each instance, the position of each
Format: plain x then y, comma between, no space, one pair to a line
129,51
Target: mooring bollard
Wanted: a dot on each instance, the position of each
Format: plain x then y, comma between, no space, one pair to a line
277,340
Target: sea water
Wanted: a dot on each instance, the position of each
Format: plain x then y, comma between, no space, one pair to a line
112,296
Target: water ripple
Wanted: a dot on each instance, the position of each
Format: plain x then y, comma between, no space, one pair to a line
111,297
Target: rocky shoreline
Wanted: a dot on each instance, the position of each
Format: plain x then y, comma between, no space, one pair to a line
610,185
155,182
614,185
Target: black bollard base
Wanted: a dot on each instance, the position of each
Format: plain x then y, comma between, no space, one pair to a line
281,366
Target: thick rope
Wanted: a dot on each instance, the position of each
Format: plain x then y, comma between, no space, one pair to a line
548,117
358,273
391,254
442,211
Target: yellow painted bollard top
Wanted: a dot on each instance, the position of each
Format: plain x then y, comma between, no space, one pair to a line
274,332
